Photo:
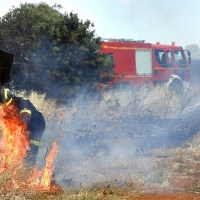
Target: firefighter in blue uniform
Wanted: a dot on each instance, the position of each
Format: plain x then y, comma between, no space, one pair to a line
31,116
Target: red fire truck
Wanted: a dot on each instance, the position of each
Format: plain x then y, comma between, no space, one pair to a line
138,63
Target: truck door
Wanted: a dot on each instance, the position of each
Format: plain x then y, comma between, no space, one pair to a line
143,59
163,65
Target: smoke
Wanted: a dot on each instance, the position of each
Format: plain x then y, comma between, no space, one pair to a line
194,71
113,139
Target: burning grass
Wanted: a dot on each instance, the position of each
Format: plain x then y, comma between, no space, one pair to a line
16,176
21,181
17,182
163,170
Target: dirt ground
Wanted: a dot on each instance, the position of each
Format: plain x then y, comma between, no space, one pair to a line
183,168
176,196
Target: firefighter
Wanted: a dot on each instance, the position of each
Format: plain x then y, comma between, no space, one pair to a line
31,116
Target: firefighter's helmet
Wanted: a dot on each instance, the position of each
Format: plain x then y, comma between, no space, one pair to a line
6,96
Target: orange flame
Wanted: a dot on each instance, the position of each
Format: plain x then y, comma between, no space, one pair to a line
42,178
48,170
15,139
14,144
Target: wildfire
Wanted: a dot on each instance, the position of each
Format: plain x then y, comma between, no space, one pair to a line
42,178
14,144
48,170
14,141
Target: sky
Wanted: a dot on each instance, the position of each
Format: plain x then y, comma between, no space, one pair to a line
150,20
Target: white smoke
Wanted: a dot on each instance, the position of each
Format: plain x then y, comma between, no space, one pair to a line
113,139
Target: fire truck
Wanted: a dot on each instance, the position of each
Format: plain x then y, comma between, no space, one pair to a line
138,63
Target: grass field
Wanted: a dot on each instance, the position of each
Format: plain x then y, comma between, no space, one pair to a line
174,171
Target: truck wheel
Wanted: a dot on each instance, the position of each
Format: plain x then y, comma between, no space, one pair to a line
175,85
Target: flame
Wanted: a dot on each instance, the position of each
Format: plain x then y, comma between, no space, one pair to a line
48,170
42,178
14,144
15,139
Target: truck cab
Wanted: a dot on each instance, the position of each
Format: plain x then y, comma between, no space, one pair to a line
170,60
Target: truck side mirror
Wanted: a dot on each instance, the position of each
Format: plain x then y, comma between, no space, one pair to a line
189,53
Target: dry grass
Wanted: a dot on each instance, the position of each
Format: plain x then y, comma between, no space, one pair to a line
172,166
181,165
14,185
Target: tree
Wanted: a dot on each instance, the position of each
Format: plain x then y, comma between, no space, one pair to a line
55,53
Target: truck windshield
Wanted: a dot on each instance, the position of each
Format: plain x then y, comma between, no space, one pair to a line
180,58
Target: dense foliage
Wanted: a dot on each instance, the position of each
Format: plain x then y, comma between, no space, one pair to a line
55,53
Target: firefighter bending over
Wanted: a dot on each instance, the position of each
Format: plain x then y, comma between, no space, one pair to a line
31,116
